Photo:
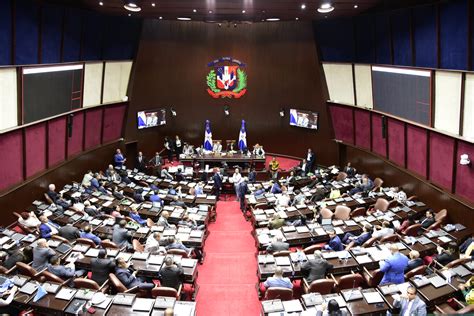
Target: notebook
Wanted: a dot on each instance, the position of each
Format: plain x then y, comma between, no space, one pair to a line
143,304
29,288
312,299
188,263
373,297
293,306
66,294
93,252
52,288
163,302
282,261
156,260
272,306
352,294
124,299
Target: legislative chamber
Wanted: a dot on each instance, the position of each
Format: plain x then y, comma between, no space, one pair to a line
236,157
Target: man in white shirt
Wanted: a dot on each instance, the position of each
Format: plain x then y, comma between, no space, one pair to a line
385,230
284,199
153,244
28,220
236,180
86,181
217,147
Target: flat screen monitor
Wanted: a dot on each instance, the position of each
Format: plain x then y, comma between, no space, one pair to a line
151,118
304,119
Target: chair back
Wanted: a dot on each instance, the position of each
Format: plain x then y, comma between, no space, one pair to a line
164,291
137,246
350,281
61,239
48,276
25,269
374,280
281,293
342,212
323,286
435,225
392,203
457,262
3,270
341,176
109,244
389,238
369,242
83,283
311,249
378,182
441,215
417,271
412,230
117,286
413,198
326,213
86,241
469,309
282,253
381,204
360,211
180,252
48,199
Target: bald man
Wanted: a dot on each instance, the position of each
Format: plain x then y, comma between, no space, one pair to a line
394,267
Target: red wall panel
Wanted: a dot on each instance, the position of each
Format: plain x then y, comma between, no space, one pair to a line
362,128
465,174
113,122
74,144
379,144
93,128
11,168
417,144
342,123
56,141
396,141
35,145
441,160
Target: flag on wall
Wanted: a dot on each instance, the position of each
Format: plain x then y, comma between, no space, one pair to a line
208,136
243,137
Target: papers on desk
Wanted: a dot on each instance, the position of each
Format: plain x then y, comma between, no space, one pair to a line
107,204
293,306
330,203
445,239
124,299
156,260
302,229
52,288
19,280
282,261
338,230
312,299
29,288
461,271
360,201
163,302
437,281
373,297
287,229
350,223
66,294
143,304
140,255
343,254
264,259
423,240
93,252
264,239
125,256
420,280
188,263
84,294
182,308
112,252
363,259
330,255
320,231
339,299
352,294
389,289
143,230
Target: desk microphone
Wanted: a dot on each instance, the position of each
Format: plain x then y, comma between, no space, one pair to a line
352,290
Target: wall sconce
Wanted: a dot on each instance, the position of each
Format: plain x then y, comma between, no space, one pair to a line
173,112
226,110
465,161
282,112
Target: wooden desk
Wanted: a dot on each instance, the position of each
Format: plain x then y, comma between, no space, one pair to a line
361,307
50,305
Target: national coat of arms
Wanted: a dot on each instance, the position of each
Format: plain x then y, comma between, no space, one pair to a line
226,79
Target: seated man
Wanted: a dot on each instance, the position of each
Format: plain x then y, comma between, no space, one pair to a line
176,244
47,227
415,261
276,187
179,175
278,245
171,275
427,220
121,235
155,198
128,278
186,221
351,240
136,217
258,151
382,231
276,222
41,255
138,196
86,180
29,220
56,198
277,280
364,186
316,268
91,210
334,243
153,244
101,267
394,267
163,220
69,232
24,255
164,174
87,234
63,271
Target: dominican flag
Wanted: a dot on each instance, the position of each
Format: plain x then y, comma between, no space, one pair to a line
243,137
208,136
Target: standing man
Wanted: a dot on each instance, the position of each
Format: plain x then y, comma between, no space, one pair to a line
310,159
169,149
140,162
410,304
178,146
119,159
394,267
236,179
217,186
242,192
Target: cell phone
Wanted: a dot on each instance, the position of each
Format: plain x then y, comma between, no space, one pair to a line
91,310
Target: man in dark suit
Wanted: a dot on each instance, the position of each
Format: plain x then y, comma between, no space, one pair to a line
69,232
41,255
316,268
63,271
428,220
179,175
47,228
310,159
156,162
140,162
128,278
101,267
217,186
415,261
278,245
334,242
351,240
171,275
121,235
56,198
242,190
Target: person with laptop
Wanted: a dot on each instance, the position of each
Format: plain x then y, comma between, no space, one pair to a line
410,303
171,275
128,278
394,267
316,268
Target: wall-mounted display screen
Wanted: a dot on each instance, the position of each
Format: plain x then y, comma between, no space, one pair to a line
304,119
151,118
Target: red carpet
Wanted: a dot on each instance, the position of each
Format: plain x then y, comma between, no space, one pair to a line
285,163
228,276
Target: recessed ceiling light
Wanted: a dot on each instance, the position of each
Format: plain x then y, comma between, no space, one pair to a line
131,5
297,19
161,18
355,6
303,6
153,4
273,19
243,11
325,8
101,3
129,14
210,11
184,19
194,10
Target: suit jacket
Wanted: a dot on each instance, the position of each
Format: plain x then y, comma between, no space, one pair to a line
61,271
427,222
92,237
69,232
315,269
335,244
140,164
127,278
217,181
120,236
41,258
171,276
45,230
412,264
394,268
362,238
417,309
278,246
100,269
243,188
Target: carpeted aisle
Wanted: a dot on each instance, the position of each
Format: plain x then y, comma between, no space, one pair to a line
228,276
